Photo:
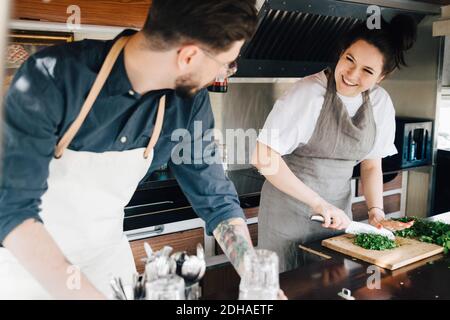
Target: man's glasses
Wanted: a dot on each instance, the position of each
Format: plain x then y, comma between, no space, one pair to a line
231,68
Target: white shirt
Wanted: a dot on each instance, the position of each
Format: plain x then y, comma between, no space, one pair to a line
294,116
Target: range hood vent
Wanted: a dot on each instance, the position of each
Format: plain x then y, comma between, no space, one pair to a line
297,36
300,37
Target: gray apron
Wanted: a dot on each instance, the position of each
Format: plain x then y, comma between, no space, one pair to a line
325,164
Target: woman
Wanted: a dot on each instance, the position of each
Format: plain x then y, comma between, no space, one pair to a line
315,135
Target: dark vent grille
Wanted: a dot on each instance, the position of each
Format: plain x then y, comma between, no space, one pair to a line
297,36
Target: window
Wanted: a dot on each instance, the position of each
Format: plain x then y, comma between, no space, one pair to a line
444,121
444,112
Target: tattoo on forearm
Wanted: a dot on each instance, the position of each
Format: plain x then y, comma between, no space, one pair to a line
234,240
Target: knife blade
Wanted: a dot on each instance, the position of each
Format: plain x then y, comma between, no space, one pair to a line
358,228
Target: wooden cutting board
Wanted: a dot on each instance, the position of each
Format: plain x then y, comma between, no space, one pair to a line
407,252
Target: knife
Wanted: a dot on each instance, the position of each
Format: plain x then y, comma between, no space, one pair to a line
358,228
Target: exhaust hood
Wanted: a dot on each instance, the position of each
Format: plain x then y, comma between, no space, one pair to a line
296,38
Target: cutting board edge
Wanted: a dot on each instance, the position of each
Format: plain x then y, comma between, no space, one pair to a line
389,266
422,257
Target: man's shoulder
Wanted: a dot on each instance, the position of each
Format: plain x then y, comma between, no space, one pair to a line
85,52
82,51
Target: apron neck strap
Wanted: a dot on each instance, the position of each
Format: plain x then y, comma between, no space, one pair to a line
331,82
93,94
157,128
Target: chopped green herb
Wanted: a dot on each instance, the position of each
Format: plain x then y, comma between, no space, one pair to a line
374,242
427,231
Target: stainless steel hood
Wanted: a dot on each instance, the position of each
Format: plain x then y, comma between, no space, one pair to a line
300,37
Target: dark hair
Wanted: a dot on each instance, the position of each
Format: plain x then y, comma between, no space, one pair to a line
392,39
214,23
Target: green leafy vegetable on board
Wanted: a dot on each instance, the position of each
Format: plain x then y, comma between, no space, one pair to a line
374,242
427,231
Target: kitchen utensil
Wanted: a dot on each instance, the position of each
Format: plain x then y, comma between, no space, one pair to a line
359,228
260,280
148,250
170,287
159,264
118,291
191,268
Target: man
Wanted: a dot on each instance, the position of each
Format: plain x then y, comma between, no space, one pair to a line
82,123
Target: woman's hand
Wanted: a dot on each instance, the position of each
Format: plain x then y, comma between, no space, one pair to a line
377,219
334,217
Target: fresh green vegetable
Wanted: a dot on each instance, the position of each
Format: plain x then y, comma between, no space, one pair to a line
374,242
427,231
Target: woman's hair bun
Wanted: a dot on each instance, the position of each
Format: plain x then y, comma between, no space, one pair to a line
403,29
393,39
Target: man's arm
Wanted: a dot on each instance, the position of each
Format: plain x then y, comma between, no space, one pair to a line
33,112
38,253
234,239
203,181
212,195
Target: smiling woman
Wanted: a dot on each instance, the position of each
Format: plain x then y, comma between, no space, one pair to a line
368,56
323,127
76,137
349,81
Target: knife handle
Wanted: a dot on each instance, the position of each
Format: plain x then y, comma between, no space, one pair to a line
318,218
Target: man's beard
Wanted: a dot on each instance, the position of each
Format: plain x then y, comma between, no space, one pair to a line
186,87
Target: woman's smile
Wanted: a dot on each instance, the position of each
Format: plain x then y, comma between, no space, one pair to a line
349,83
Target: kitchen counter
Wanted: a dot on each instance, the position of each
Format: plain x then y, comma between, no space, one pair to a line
160,200
327,273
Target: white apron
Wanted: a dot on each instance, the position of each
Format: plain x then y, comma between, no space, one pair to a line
83,208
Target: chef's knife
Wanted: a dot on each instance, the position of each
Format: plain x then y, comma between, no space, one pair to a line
358,228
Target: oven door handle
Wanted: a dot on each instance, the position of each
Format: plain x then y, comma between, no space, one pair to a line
156,230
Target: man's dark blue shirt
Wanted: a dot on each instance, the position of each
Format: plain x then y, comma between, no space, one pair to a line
46,96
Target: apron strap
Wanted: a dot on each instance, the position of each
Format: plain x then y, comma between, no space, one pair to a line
93,94
157,128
